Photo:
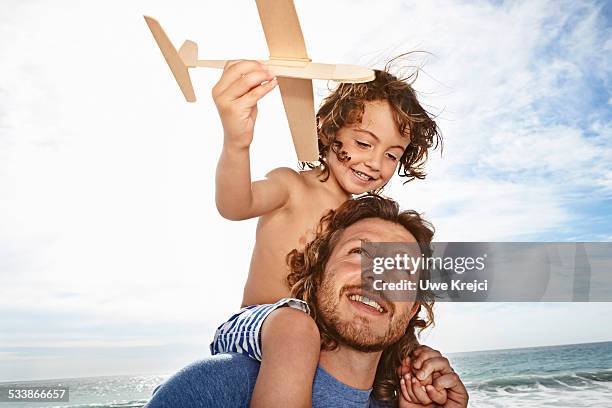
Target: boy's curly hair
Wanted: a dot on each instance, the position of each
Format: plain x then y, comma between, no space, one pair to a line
346,105
308,266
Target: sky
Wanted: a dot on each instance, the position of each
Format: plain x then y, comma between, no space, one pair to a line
113,257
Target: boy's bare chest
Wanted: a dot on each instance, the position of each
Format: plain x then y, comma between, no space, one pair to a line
277,235
298,226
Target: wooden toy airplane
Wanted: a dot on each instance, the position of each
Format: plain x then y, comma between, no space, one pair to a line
288,60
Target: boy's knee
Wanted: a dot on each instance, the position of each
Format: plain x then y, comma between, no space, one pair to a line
291,324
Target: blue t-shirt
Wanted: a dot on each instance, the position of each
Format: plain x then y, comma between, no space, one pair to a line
227,380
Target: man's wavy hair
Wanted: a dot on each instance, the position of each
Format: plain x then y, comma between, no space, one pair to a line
346,105
307,268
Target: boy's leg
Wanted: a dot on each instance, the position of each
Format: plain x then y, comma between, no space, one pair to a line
291,344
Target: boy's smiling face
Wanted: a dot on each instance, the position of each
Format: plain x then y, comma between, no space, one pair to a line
374,146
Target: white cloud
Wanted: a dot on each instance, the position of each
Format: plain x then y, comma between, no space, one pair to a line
482,209
515,117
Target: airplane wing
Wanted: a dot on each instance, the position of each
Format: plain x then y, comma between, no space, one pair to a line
299,106
282,29
286,41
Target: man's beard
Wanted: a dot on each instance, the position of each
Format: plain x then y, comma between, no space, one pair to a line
359,337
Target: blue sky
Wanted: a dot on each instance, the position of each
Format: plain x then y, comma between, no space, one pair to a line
112,253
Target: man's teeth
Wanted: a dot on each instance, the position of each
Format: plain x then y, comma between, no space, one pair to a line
362,176
367,301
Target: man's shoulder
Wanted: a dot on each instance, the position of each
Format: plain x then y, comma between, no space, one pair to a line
227,380
240,362
222,380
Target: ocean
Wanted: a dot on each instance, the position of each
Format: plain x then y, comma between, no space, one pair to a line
577,375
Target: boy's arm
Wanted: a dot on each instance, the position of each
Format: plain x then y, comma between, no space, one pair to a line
236,94
238,198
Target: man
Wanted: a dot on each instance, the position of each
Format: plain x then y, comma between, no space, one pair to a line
363,335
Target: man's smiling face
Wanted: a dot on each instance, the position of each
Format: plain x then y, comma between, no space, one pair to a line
365,321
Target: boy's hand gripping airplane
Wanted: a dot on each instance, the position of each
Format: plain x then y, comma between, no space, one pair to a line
288,60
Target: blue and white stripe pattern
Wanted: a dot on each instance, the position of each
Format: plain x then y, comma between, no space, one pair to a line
241,333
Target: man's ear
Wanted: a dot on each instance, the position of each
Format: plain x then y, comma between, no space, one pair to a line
415,309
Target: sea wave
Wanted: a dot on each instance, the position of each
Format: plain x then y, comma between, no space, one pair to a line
579,380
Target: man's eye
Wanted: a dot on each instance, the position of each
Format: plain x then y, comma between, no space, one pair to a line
362,144
360,251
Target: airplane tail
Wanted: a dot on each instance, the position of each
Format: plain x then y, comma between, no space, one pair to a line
177,61
189,53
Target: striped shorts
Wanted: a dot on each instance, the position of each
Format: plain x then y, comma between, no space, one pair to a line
242,332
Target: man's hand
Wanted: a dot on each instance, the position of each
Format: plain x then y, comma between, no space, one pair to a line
427,380
242,84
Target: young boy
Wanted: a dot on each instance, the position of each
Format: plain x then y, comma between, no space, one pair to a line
365,132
